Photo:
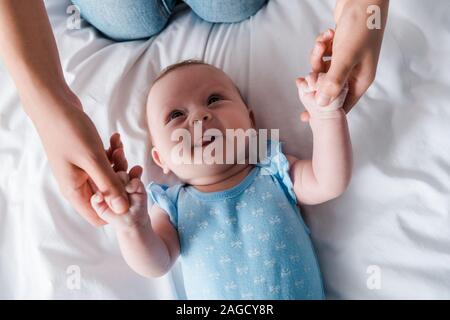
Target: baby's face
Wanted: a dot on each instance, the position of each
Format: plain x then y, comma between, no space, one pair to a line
182,98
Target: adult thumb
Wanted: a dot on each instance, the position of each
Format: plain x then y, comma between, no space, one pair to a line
330,86
109,184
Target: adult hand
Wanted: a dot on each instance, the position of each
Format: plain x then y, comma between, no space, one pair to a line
354,51
307,89
79,162
137,214
73,146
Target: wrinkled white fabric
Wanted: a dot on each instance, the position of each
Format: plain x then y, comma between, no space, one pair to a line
392,222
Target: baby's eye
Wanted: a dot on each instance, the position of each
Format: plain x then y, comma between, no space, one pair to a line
175,114
214,98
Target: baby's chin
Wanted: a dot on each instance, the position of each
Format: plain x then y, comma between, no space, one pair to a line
204,174
207,168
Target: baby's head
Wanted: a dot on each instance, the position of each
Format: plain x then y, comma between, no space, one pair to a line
185,95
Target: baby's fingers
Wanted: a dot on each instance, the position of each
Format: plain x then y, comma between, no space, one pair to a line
135,172
302,86
135,186
304,116
101,207
137,196
304,91
311,79
118,160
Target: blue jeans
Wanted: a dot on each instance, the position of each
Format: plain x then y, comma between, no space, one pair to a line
137,19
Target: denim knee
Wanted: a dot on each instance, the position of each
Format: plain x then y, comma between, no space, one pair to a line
227,11
126,19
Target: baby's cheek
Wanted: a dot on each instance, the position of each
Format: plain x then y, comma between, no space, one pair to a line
234,117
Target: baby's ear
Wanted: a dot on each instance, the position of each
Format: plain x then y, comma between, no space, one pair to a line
157,159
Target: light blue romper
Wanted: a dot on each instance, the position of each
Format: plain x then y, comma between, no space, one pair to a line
246,242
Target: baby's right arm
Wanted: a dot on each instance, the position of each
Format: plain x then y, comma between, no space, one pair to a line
149,246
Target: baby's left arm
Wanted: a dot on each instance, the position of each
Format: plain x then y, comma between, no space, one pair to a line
328,174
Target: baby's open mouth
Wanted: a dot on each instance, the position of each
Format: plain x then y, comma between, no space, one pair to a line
204,141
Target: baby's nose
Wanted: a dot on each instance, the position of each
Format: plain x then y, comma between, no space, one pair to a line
201,118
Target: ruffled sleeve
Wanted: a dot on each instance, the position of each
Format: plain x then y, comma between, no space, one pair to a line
166,198
276,164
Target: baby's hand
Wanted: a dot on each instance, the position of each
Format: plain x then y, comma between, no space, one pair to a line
137,216
307,88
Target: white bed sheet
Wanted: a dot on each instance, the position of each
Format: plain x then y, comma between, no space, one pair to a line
394,216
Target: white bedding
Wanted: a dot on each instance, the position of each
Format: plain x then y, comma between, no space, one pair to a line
395,215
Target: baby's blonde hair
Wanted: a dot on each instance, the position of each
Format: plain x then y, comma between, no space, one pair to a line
189,62
177,65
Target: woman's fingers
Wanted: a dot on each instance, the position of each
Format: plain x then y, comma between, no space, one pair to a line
119,160
118,204
79,196
356,88
330,86
99,205
323,48
123,176
116,153
114,143
326,36
359,81
93,186
316,60
101,208
109,184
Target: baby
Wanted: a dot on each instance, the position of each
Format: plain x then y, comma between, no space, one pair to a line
237,226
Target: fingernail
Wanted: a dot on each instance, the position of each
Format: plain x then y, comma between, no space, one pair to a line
322,99
119,204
